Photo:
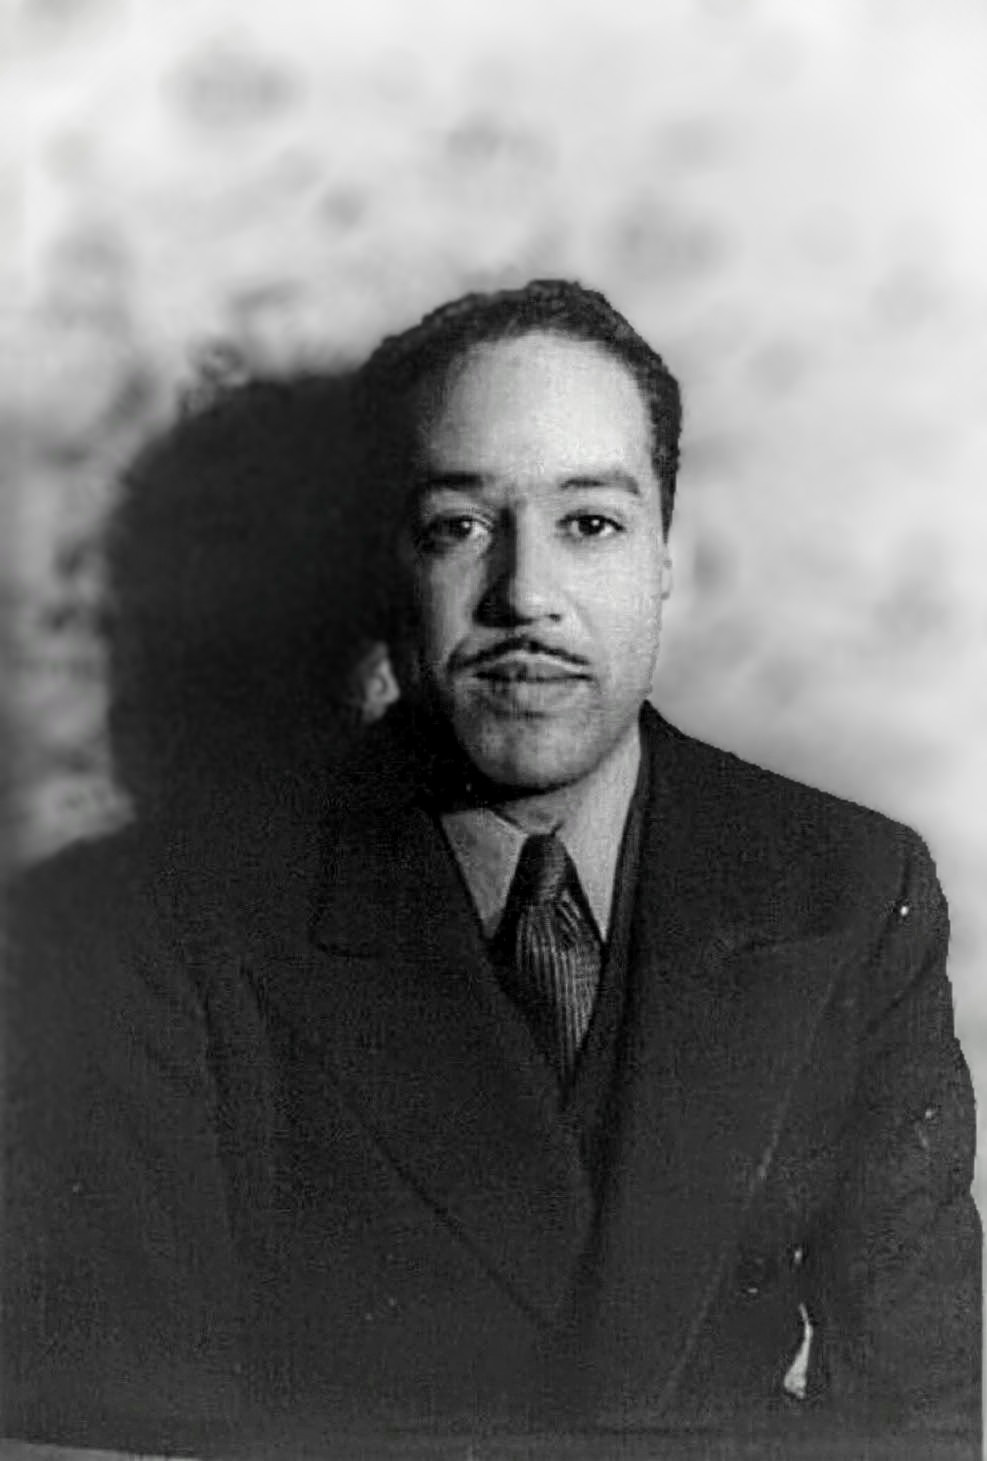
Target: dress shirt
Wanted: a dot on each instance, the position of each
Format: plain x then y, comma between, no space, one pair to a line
487,844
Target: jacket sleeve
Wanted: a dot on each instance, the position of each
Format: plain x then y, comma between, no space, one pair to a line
895,1296
119,1307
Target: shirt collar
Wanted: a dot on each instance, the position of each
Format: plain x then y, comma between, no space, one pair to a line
487,845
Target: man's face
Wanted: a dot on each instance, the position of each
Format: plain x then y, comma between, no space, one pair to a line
536,557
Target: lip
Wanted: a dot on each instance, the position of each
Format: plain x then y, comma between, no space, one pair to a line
530,690
529,670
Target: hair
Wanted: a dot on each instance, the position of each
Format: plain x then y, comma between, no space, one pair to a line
403,362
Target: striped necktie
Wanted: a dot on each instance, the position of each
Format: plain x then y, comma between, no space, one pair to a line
549,951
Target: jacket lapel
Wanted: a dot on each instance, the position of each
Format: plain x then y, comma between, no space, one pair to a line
722,1008
392,992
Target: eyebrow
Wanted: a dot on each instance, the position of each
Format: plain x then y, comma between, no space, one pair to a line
615,477
476,481
448,482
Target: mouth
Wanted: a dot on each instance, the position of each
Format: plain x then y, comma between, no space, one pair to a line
529,670
530,687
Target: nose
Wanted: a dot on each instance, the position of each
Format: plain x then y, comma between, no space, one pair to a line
525,584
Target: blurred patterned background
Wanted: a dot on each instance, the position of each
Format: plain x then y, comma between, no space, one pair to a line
789,200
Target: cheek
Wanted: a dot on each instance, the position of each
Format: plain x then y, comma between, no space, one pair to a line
627,618
444,612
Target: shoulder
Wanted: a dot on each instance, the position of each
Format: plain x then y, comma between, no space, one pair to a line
777,839
794,865
96,968
86,895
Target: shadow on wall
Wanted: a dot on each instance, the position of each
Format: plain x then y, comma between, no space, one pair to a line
239,599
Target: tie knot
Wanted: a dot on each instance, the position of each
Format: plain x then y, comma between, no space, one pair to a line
542,870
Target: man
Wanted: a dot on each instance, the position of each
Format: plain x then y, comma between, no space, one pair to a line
576,1074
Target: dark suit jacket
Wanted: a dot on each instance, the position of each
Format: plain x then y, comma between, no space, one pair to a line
283,1155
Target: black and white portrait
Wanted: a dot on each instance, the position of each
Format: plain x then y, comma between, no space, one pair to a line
495,728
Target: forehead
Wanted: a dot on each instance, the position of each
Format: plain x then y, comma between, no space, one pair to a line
537,403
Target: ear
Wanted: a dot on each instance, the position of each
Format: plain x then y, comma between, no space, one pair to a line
373,685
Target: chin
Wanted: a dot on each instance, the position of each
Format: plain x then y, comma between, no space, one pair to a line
526,759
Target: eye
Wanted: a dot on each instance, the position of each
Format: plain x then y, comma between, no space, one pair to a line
591,525
451,530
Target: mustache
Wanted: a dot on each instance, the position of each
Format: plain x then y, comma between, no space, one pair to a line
519,644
